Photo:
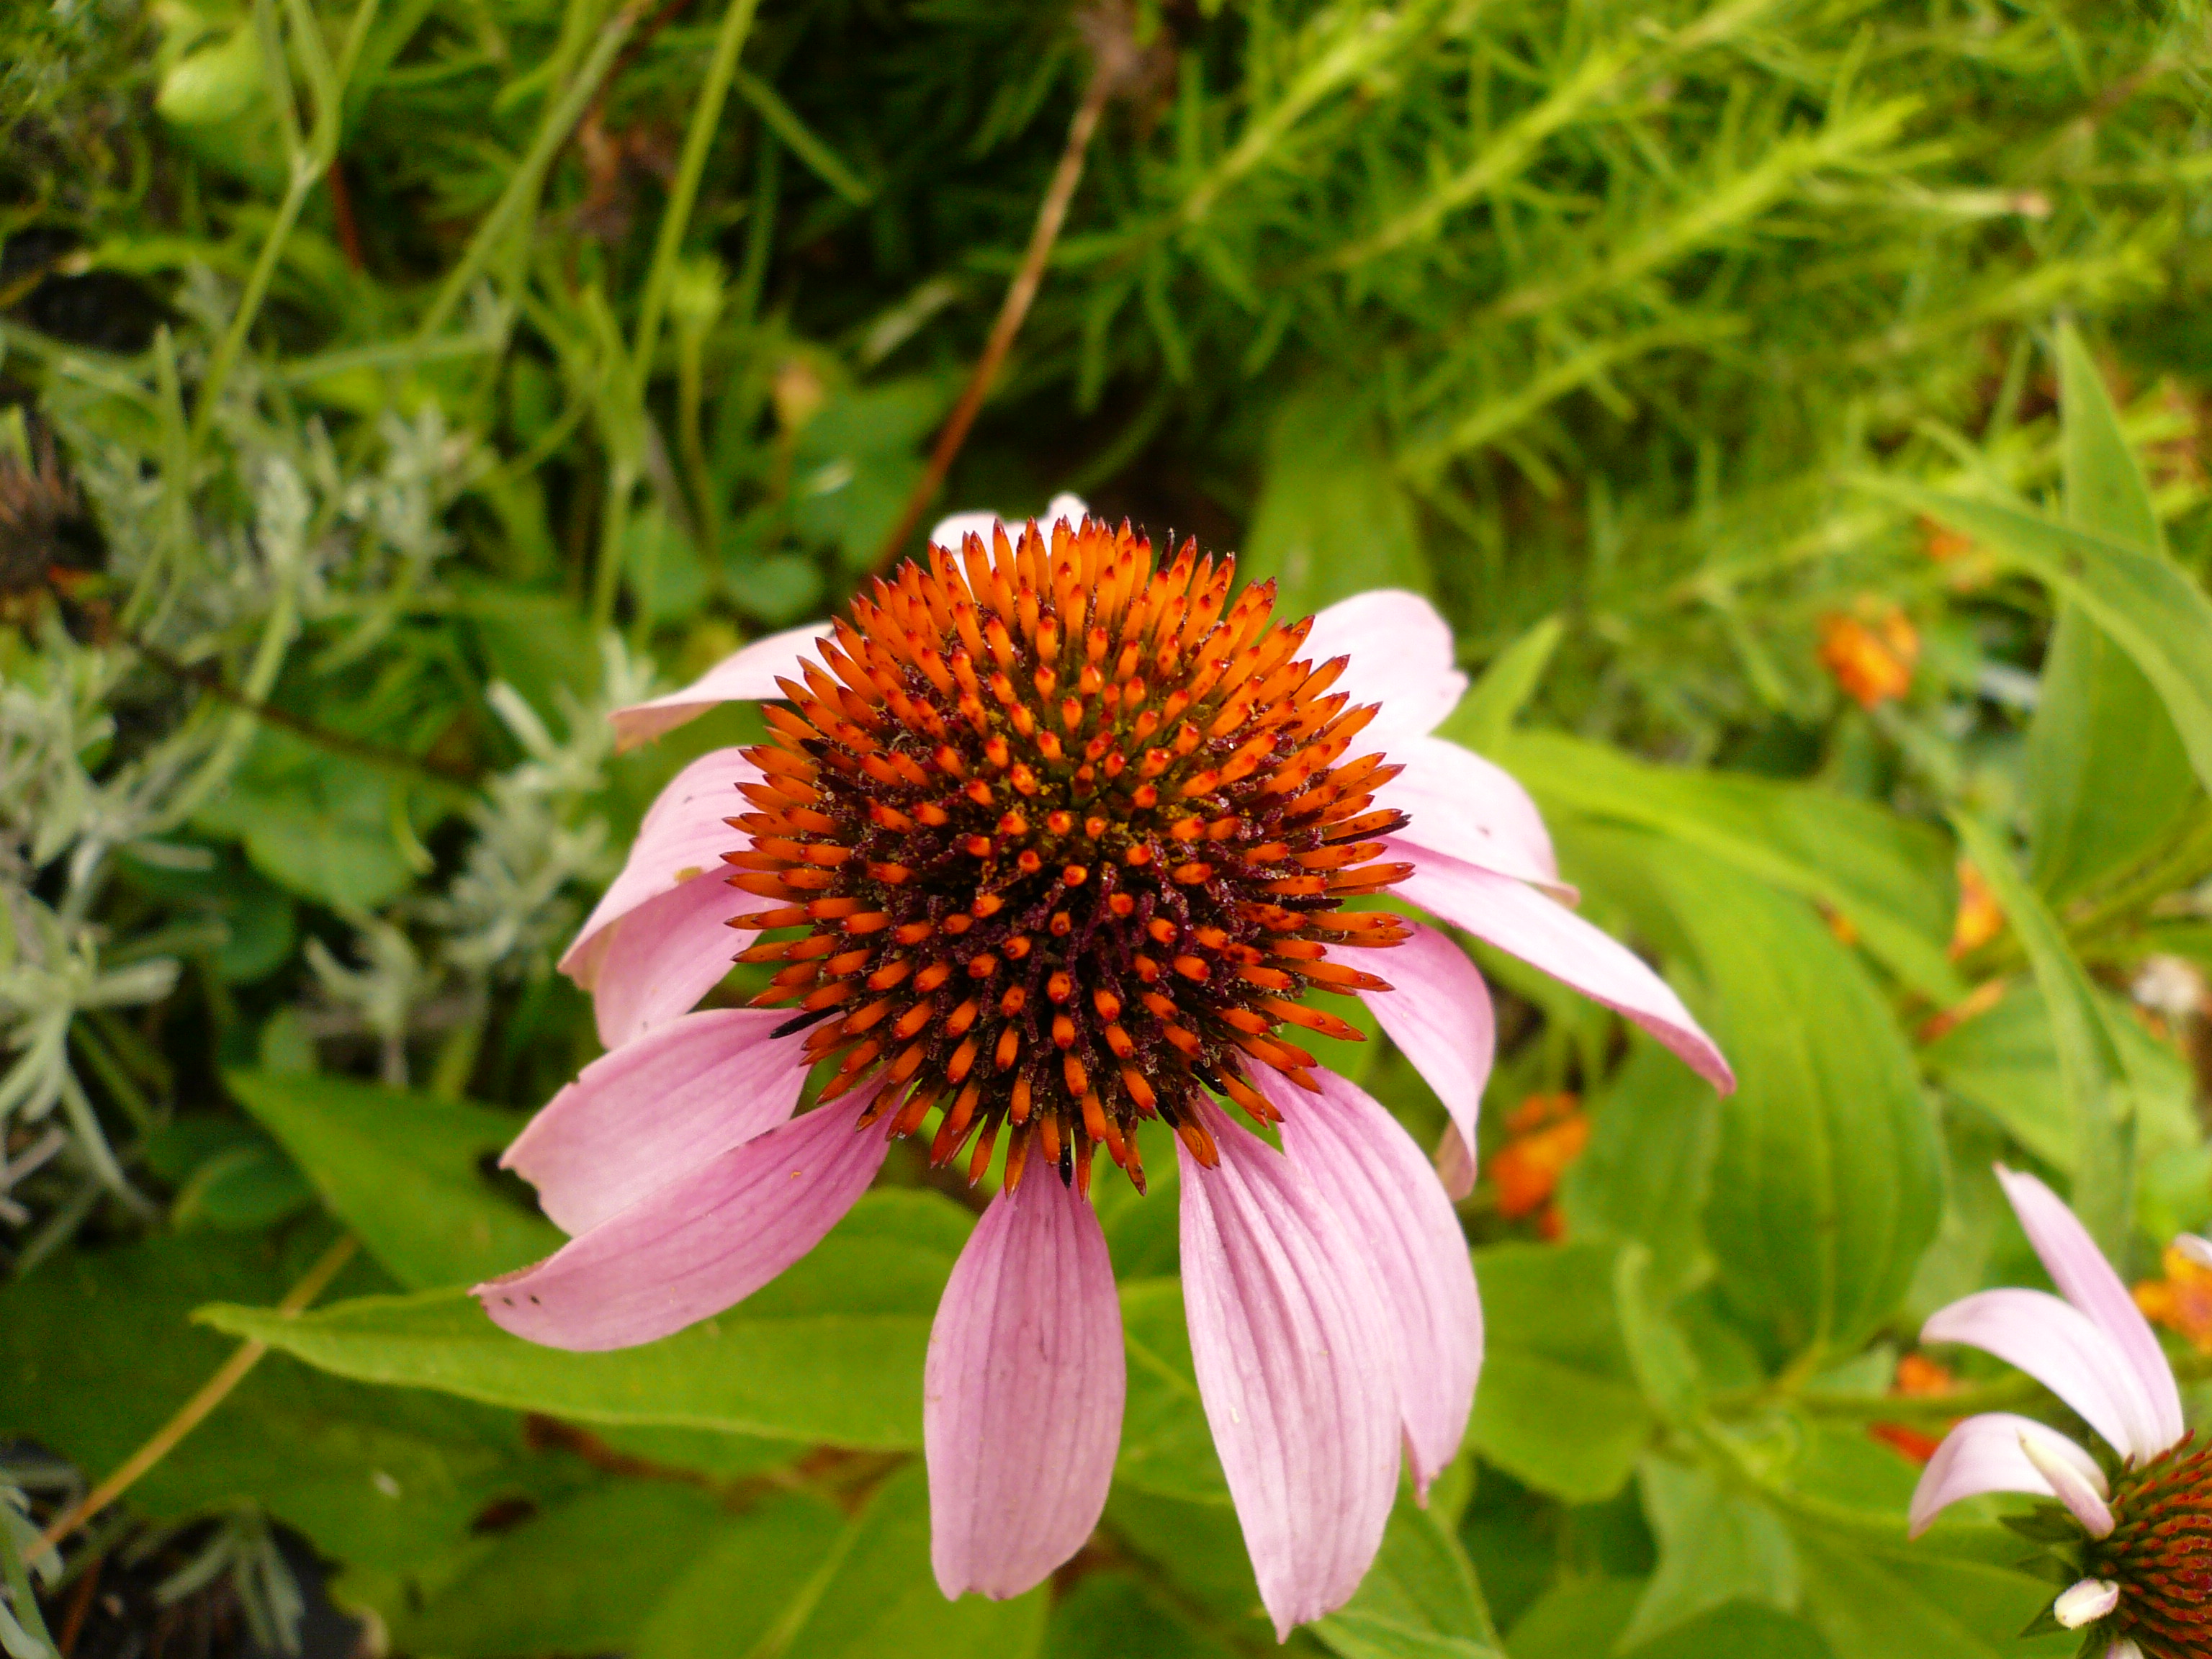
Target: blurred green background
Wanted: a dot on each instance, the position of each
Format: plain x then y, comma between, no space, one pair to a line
1798,408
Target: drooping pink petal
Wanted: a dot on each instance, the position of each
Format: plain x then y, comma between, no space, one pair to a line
1293,1357
646,967
2056,1343
2084,1279
638,1118
1470,809
1983,1454
2059,1461
684,833
950,531
1022,1392
747,675
1454,1162
1402,659
1439,1012
1517,919
1373,1176
706,1241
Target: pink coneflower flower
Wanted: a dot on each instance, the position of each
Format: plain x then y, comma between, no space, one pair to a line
2141,1532
1056,844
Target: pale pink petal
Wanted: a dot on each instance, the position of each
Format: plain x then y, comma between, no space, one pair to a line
2059,1461
1438,1013
1470,809
647,967
747,675
1402,659
1293,1356
684,834
2084,1279
1983,1454
950,531
2056,1343
2085,1602
638,1118
1517,919
1454,1162
1021,1393
703,1242
1373,1176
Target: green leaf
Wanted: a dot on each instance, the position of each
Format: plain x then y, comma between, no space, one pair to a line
1166,1445
1109,1615
2004,1061
1582,1619
1485,715
831,1351
2148,605
1715,1544
1655,1130
316,824
737,1592
1332,519
580,1578
2105,492
1419,1599
1872,1600
1827,1183
390,1482
1889,878
1558,1407
874,1594
401,1168
2088,1060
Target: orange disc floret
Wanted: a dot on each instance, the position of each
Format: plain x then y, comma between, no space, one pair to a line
1068,835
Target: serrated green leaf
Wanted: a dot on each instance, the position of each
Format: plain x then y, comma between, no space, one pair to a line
831,1351
401,1168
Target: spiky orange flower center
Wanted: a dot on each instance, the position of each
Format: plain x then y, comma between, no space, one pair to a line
2160,1553
1069,837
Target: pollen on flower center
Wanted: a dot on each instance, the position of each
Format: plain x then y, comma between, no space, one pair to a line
2160,1553
1069,836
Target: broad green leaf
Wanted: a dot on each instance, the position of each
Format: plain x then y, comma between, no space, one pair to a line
2004,1061
1166,1446
874,1594
1419,1599
1196,1552
401,1168
736,1592
1485,715
2148,605
2105,491
1654,1131
1715,1544
315,823
1332,519
1890,878
97,1350
1895,1601
1558,1406
1109,1615
2088,1060
1826,1185
579,1577
1582,1619
831,1351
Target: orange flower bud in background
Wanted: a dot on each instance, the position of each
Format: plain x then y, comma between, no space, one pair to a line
1978,920
2182,1301
1548,1133
1872,663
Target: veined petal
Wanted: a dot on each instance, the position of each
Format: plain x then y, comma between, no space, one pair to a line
2084,1279
1401,658
2056,1344
1439,1014
1470,809
949,531
747,675
1021,1393
1547,935
1293,1356
1371,1172
706,1241
649,967
1983,1454
636,1119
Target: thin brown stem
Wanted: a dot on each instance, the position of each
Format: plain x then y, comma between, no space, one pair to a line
190,1415
1052,213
